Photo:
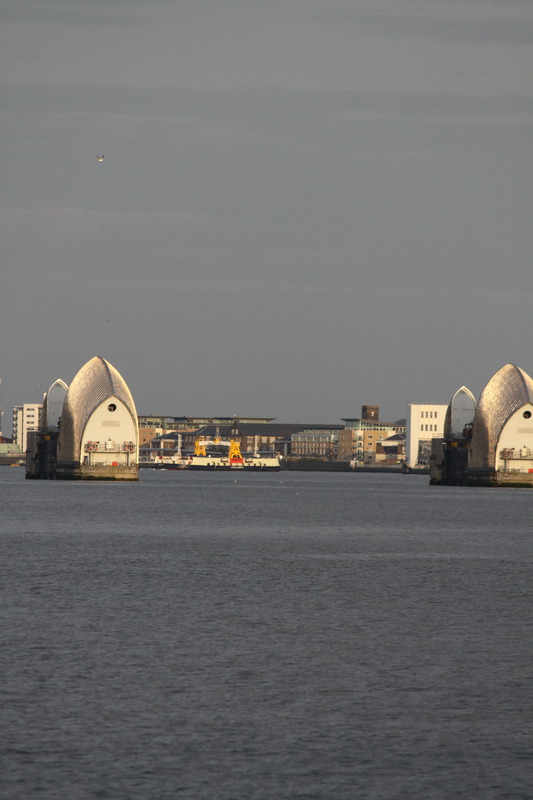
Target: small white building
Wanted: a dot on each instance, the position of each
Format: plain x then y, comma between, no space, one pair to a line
26,418
424,423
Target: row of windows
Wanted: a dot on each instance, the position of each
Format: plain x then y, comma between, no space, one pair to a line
428,413
429,428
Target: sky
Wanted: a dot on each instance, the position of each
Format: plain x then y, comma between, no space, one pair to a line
305,205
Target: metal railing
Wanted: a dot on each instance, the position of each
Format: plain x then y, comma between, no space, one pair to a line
109,447
516,454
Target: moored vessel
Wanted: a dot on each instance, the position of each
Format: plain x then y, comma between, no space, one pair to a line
201,459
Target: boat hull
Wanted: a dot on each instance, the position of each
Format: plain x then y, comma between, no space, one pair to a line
254,464
235,468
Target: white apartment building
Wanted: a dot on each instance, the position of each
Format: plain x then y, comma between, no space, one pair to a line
26,417
424,423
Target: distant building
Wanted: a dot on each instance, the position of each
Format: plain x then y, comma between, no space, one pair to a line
146,434
370,413
316,443
190,423
169,444
257,435
151,426
26,418
360,438
424,423
391,449
198,422
273,436
154,421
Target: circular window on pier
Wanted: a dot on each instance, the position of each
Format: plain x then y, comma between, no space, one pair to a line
111,407
527,414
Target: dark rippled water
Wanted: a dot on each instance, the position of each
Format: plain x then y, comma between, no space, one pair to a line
265,637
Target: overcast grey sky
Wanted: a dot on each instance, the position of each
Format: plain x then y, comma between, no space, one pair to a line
305,205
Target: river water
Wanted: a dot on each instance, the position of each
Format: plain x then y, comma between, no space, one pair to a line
265,637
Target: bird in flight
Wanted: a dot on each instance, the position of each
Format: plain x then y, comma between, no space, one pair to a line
100,158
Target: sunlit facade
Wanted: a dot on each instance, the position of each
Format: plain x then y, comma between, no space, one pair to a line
98,435
501,449
26,418
424,423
